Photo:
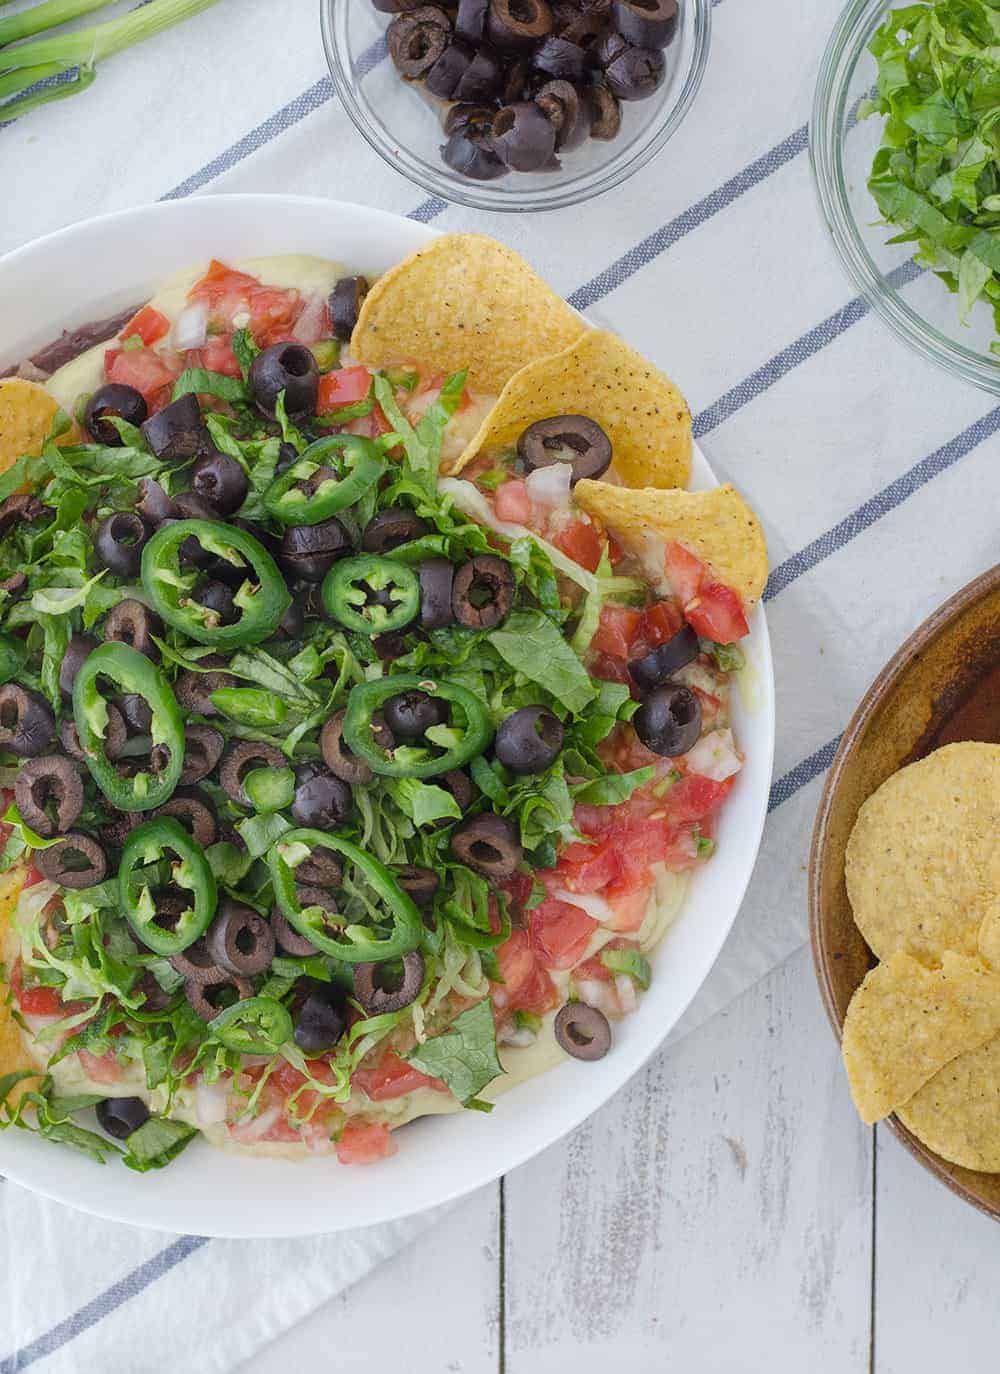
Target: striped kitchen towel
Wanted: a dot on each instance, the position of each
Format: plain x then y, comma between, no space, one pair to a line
877,477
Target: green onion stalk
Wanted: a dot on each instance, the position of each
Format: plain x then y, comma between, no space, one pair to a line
27,63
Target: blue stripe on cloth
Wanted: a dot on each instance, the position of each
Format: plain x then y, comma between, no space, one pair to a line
803,348
668,234
428,210
103,1305
796,778
881,503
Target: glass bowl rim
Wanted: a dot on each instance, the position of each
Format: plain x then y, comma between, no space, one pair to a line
479,196
846,48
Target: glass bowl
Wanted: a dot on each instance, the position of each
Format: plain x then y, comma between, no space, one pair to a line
915,304
395,118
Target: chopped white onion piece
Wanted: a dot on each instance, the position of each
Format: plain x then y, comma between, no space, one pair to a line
248,1132
549,486
518,1038
596,907
191,326
625,989
597,994
241,319
311,324
210,1103
714,756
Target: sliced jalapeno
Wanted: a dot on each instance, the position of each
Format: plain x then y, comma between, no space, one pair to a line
380,937
372,595
134,675
310,491
406,761
257,1025
262,598
189,871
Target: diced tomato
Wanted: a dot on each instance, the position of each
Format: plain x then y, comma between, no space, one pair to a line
615,551
393,1077
32,876
616,630
149,324
586,867
343,386
610,669
256,1130
718,614
39,1001
216,354
142,369
629,908
221,281
365,1142
526,986
103,1068
580,541
513,502
559,932
660,622
685,572
693,798
593,969
273,312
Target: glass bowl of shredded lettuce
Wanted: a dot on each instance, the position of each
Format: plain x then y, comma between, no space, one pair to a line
905,149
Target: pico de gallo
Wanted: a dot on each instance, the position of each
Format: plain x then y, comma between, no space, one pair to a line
339,791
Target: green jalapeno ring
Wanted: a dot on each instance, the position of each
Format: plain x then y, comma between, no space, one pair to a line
347,601
354,944
262,603
285,500
257,1025
147,844
366,698
134,674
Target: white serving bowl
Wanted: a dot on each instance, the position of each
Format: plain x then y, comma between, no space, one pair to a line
92,269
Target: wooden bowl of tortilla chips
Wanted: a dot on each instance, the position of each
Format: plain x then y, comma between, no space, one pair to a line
907,827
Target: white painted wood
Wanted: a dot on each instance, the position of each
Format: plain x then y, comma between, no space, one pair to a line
434,1306
714,1217
936,1273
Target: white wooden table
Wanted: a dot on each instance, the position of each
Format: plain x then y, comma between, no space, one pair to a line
726,1212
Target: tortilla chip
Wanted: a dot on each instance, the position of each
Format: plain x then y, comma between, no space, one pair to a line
957,1112
906,1021
989,935
464,301
641,411
923,861
717,525
26,414
13,1052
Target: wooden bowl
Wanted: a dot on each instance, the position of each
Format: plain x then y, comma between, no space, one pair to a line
921,700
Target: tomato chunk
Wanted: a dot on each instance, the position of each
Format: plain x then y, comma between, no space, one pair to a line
580,541
694,798
616,630
560,932
40,1001
393,1077
660,622
526,986
149,324
685,572
343,386
718,614
216,354
365,1142
142,369
513,502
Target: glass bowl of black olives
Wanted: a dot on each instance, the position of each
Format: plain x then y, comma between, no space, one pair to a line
517,104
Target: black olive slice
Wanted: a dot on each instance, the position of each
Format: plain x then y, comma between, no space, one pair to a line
49,784
27,725
321,1019
419,883
218,598
390,646
194,689
21,508
115,735
606,121
346,300
417,39
572,439
218,479
656,667
154,504
177,432
518,23
289,368
122,402
310,551
481,79
635,73
488,844
322,801
582,1031
669,720
78,648
437,576
15,584
561,59
207,998
391,527
410,714
337,756
448,70
523,138
240,941
470,21
288,937
120,1116
136,713
76,861
568,112
460,785
119,542
518,83
196,965
194,809
529,740
483,592
203,748
131,622
647,23
122,823
384,987
321,869
468,152
240,759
